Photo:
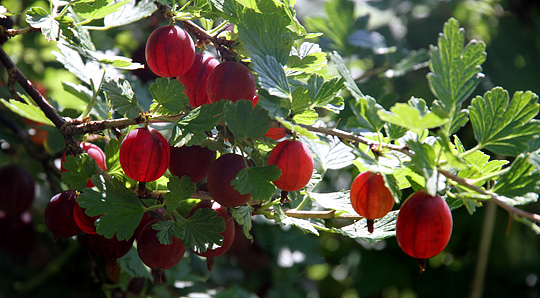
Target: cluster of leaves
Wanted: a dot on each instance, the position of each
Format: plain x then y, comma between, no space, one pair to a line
297,83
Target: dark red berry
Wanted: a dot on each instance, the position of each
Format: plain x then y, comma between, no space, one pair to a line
144,154
83,221
19,188
228,234
424,226
295,162
276,133
221,173
370,197
232,81
158,256
59,215
109,248
169,51
194,80
193,161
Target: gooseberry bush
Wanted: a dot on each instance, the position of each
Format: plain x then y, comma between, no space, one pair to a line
231,72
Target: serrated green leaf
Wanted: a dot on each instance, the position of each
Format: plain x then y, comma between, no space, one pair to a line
98,9
271,75
169,97
27,110
203,118
130,13
244,120
455,68
383,228
365,110
79,169
276,106
412,116
349,83
503,126
120,209
122,97
300,100
265,35
242,215
307,59
257,181
167,229
522,178
323,91
229,9
331,153
38,17
297,128
202,230
307,117
132,264
479,165
339,201
424,159
179,190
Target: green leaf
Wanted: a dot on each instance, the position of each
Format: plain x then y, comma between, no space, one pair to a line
112,152
414,60
331,153
276,106
307,117
167,229
413,116
229,9
271,75
455,69
522,178
98,9
38,17
384,228
366,114
120,209
122,97
339,201
203,118
242,216
80,169
323,91
169,97
130,13
266,35
202,230
297,128
304,225
300,100
424,160
479,165
27,110
307,59
179,190
505,127
132,264
257,181
350,84
244,120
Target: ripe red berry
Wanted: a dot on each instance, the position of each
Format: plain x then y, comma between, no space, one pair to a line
19,188
370,198
169,51
144,154
232,81
95,152
83,221
109,248
194,80
193,161
424,226
220,175
276,133
59,215
158,256
295,162
228,234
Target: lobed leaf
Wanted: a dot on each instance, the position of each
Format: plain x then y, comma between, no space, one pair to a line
521,179
122,97
179,190
244,120
257,181
169,97
202,228
27,110
167,229
79,169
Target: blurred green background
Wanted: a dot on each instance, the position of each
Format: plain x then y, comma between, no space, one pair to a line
283,262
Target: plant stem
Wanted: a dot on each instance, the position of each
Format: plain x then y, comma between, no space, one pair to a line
483,251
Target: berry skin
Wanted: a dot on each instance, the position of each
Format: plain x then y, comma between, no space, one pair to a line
221,173
169,51
228,234
83,221
194,80
276,133
109,249
370,198
96,153
295,162
231,81
144,154
59,215
158,256
424,226
21,189
193,161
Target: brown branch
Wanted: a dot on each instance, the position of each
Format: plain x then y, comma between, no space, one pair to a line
9,33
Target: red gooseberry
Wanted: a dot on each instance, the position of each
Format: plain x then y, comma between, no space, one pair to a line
220,175
232,81
95,152
193,161
84,222
295,162
59,215
276,133
19,189
144,154
370,197
424,226
194,80
169,51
